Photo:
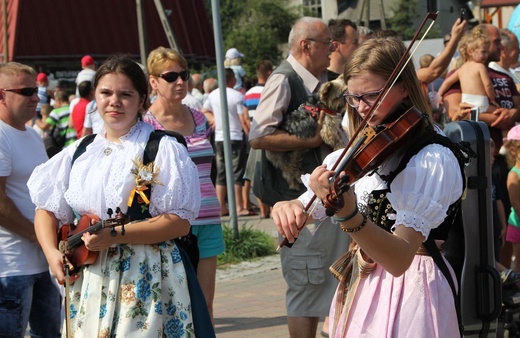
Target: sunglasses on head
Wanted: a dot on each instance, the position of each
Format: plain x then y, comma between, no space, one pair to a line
173,76
27,91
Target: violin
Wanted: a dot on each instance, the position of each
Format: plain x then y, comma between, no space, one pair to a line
72,246
373,147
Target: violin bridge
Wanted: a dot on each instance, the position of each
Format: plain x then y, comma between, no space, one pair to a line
63,247
369,133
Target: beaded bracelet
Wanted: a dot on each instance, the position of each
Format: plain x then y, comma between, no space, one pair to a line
348,217
356,229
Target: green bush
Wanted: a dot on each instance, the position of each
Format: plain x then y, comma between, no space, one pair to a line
248,244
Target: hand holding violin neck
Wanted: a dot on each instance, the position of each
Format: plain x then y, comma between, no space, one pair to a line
335,201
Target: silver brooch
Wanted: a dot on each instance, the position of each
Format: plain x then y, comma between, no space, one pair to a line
107,151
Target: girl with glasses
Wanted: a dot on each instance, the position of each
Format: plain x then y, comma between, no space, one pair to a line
395,288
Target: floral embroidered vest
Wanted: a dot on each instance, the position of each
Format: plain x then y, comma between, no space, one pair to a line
379,209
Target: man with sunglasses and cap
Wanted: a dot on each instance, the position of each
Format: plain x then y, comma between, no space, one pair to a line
27,292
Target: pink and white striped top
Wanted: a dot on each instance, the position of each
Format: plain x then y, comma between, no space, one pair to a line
201,153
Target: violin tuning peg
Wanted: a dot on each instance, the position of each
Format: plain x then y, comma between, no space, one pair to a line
113,232
118,210
329,212
110,212
123,231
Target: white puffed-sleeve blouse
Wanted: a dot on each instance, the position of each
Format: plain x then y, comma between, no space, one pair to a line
420,194
101,178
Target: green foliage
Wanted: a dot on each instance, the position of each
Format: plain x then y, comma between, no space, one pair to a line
256,28
405,11
259,30
247,245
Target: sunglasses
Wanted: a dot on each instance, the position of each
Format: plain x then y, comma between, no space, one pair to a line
27,91
173,76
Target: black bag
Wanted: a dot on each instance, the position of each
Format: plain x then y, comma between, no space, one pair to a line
469,247
54,141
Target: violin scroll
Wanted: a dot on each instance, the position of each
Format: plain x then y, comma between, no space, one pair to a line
334,201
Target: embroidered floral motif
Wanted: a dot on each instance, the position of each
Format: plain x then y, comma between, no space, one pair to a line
144,176
378,208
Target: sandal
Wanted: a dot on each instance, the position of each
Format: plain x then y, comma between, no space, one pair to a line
249,212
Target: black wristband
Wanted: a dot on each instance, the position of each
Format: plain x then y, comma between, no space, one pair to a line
348,217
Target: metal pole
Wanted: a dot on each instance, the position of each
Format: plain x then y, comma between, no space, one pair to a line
361,13
6,35
382,13
367,14
221,72
141,31
166,25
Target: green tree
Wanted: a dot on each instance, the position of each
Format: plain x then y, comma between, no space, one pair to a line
405,12
256,28
404,21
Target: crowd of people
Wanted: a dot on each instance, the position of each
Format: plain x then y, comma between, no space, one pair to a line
158,190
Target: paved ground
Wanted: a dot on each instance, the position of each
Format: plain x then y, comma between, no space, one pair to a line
250,297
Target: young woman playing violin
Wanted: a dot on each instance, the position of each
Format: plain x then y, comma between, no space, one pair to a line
138,286
395,289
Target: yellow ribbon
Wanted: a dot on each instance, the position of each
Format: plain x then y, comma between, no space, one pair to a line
139,190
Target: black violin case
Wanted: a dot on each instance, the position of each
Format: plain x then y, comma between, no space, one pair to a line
469,247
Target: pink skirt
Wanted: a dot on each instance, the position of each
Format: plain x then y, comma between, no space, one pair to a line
417,304
513,234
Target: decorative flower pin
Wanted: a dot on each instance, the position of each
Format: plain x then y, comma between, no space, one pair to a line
144,176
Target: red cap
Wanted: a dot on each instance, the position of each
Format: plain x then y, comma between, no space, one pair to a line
87,60
41,77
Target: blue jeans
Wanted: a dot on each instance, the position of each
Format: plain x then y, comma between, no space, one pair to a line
32,299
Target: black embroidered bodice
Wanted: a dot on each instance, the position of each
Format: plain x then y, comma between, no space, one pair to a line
379,210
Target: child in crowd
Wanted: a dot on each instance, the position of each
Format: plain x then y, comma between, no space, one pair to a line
512,144
499,212
477,88
233,60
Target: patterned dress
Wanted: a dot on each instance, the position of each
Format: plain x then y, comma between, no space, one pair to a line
131,290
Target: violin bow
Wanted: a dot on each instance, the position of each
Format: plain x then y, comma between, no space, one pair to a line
403,62
66,268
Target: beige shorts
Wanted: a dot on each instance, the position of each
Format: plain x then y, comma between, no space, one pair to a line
305,266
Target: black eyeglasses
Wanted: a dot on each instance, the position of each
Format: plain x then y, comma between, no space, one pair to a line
27,91
369,98
173,76
328,42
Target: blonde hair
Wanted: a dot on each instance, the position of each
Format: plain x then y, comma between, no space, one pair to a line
162,57
14,68
513,150
425,60
232,62
471,41
380,56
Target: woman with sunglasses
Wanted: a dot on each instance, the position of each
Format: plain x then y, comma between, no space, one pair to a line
168,77
138,285
396,288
